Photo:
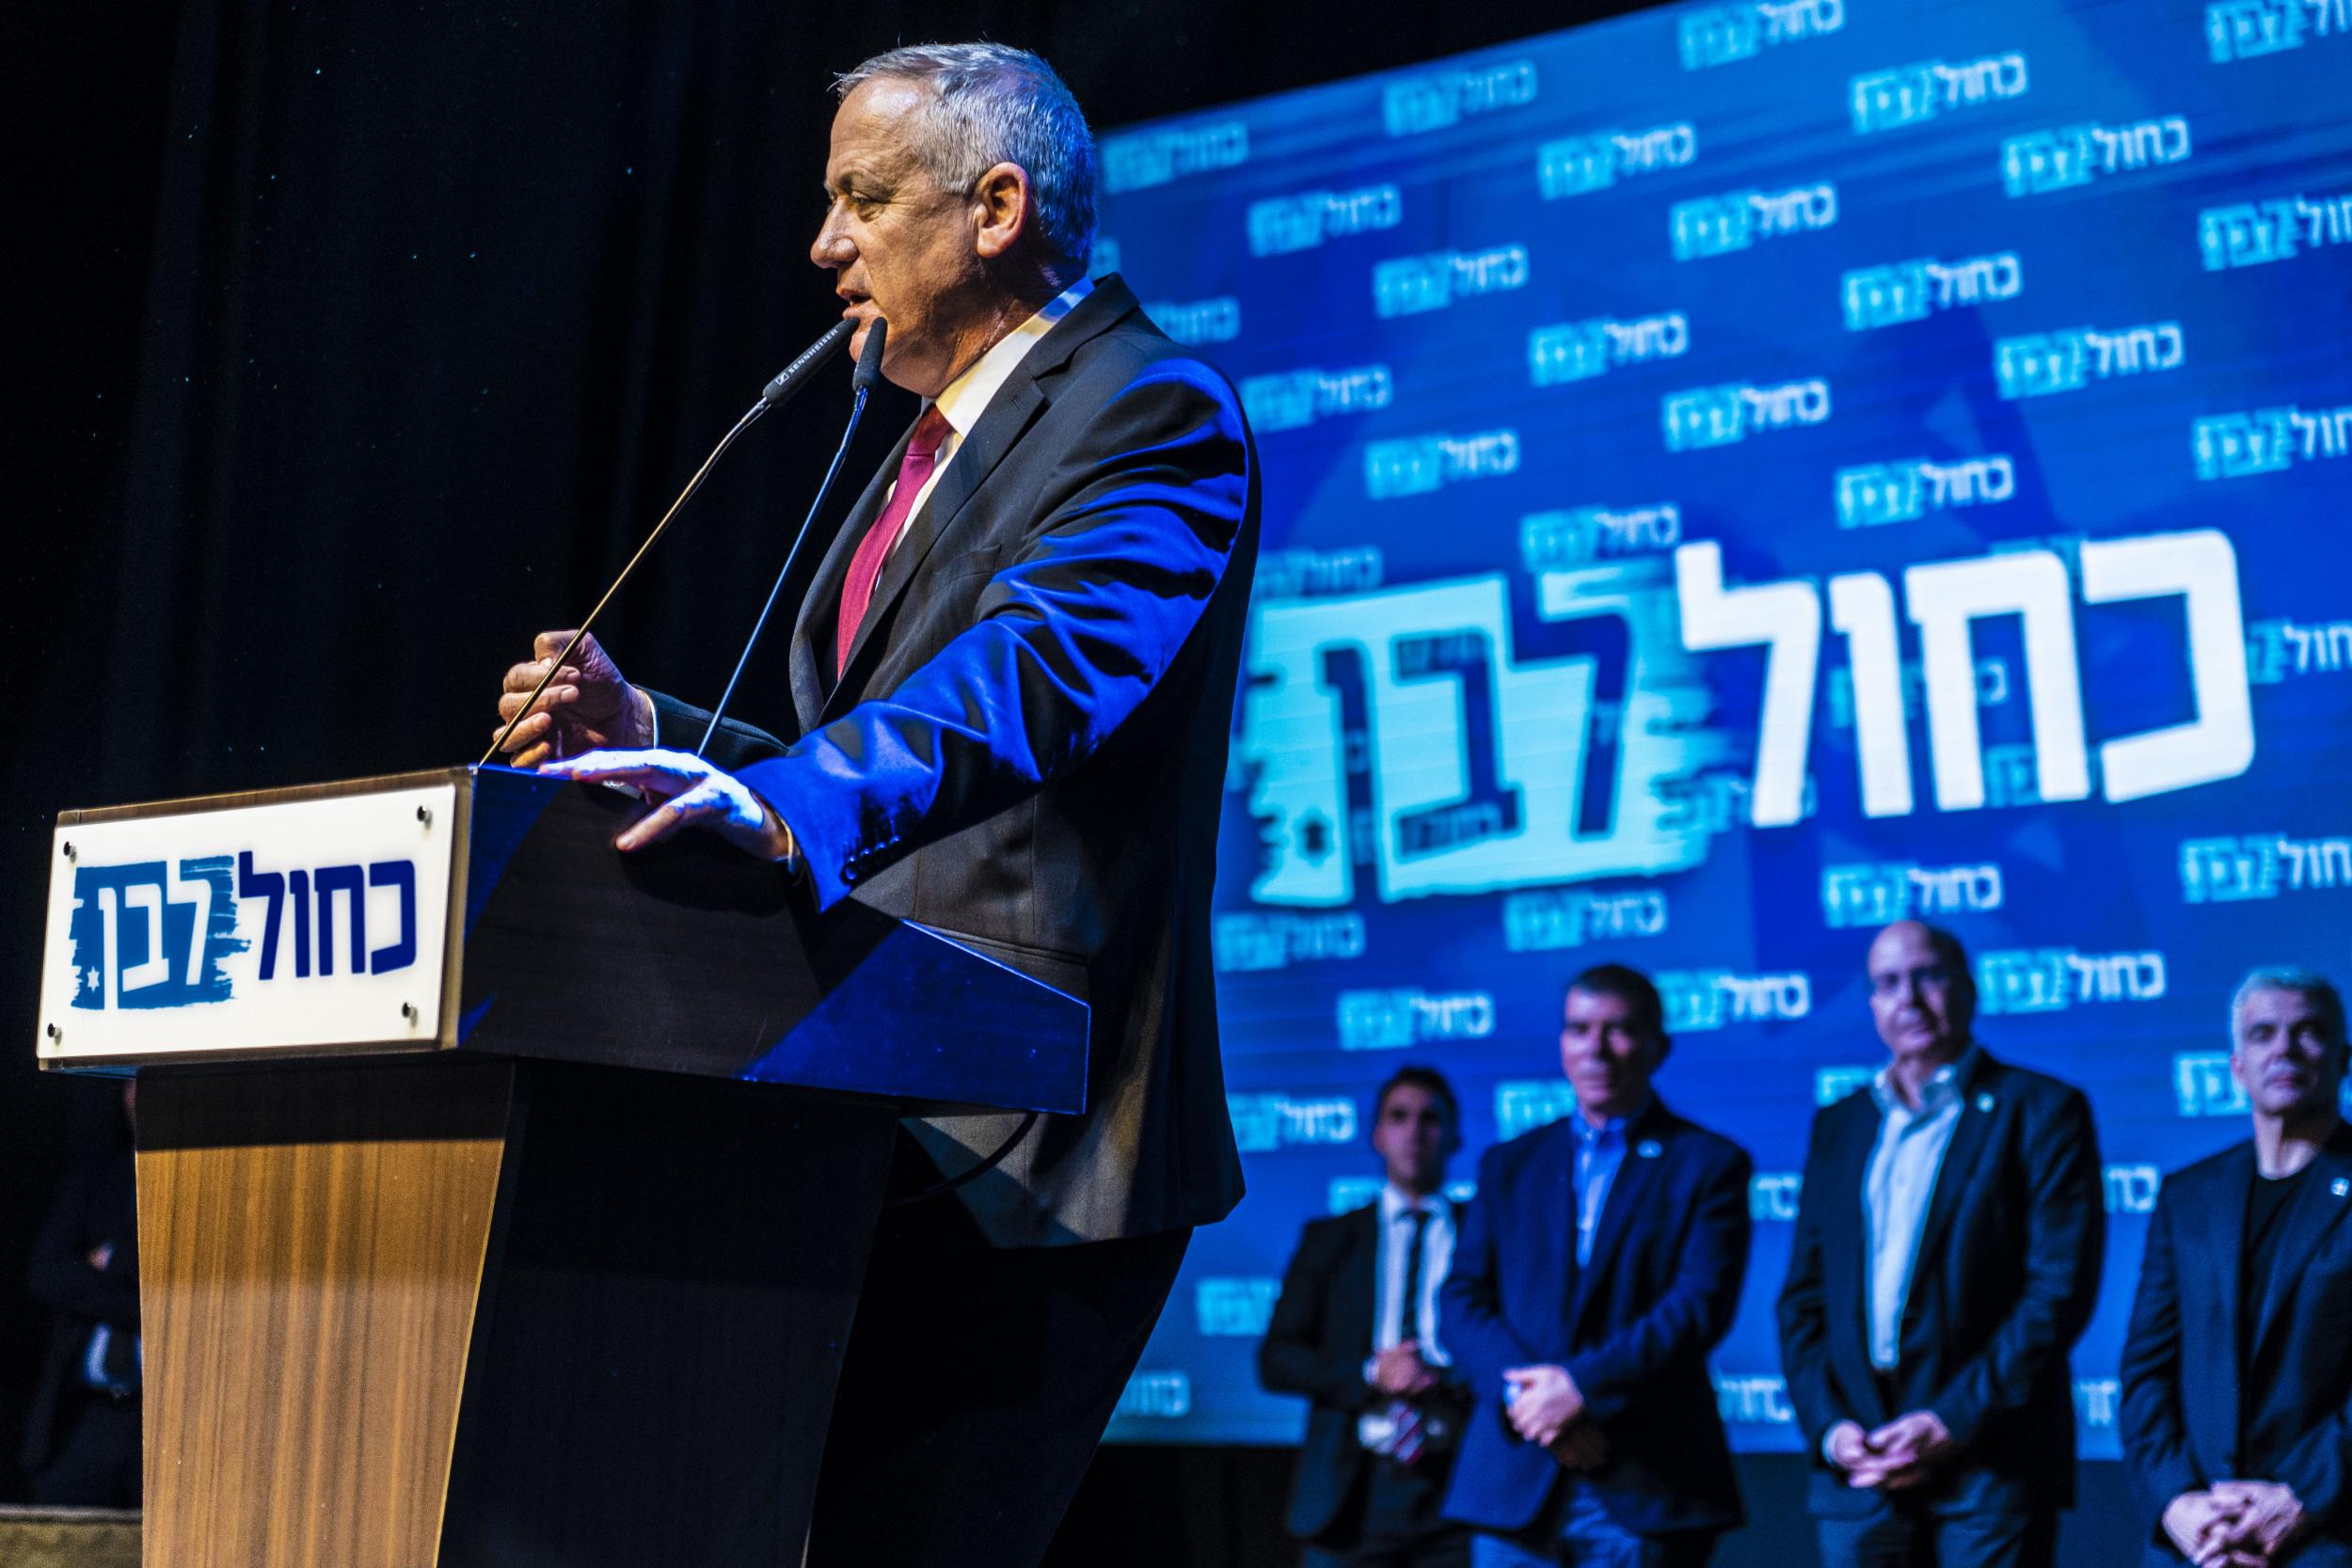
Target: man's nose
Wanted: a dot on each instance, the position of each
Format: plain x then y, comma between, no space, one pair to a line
832,247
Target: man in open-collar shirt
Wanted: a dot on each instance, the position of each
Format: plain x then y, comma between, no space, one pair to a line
1946,1259
1594,1436
2237,1372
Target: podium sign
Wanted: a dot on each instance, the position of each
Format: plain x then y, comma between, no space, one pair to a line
529,1149
484,911
296,927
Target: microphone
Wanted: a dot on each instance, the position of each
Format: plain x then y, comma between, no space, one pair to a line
793,376
787,382
862,382
869,360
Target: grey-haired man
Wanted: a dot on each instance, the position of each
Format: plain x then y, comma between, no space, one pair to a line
2237,1368
1012,682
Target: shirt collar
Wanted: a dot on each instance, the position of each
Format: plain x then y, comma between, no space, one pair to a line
1943,1087
967,396
1396,1201
1589,1135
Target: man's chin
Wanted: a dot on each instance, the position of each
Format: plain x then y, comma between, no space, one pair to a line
2291,1102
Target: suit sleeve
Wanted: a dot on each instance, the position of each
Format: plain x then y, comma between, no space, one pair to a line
1469,1308
2154,1434
60,1274
1296,1356
1071,636
1804,1307
735,747
1695,1312
2319,1468
2065,1237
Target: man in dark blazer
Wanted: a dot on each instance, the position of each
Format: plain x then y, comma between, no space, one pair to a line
1355,1330
1012,683
1600,1263
1945,1260
2237,1369
81,1434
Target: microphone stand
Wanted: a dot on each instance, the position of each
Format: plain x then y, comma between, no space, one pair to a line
787,382
868,371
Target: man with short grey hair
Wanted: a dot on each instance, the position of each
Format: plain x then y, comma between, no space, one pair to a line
1011,687
2237,1368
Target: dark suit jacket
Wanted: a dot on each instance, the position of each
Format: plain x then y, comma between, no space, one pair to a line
1633,1329
1027,749
2006,1276
1316,1344
2189,1421
94,1207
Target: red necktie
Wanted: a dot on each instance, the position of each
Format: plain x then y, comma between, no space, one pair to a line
866,566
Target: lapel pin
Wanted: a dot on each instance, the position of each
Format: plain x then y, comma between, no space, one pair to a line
1648,1148
2340,1186
1985,1103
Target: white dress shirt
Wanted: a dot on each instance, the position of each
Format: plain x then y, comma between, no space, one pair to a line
1896,1187
967,396
1389,1328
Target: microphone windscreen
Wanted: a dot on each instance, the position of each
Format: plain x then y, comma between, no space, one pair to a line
793,376
869,358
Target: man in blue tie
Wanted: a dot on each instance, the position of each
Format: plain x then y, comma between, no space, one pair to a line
1599,1262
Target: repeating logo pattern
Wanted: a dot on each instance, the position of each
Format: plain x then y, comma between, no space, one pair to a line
1735,476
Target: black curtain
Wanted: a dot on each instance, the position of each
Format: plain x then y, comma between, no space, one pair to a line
361,342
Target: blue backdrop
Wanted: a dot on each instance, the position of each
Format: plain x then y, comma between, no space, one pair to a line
1735,476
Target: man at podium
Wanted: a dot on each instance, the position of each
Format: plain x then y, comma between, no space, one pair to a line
1013,678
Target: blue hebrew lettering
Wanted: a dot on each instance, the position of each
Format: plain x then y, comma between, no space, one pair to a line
402,952
346,879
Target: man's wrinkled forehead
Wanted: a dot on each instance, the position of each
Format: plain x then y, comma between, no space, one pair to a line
871,133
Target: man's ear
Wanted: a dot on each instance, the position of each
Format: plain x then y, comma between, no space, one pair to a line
1001,208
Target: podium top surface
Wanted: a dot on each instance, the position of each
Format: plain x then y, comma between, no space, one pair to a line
485,910
190,805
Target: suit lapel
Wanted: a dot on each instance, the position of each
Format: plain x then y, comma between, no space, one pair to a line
2223,1224
811,634
2327,1193
1010,412
1979,1105
1844,1161
1546,1229
1359,1284
1627,1191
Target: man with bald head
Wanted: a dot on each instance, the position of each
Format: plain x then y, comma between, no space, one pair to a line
1946,1259
1010,691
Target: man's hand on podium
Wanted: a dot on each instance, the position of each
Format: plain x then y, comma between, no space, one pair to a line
685,791
586,707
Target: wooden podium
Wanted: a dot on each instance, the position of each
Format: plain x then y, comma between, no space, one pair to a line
533,1234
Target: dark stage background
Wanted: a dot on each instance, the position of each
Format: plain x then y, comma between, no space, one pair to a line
364,341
